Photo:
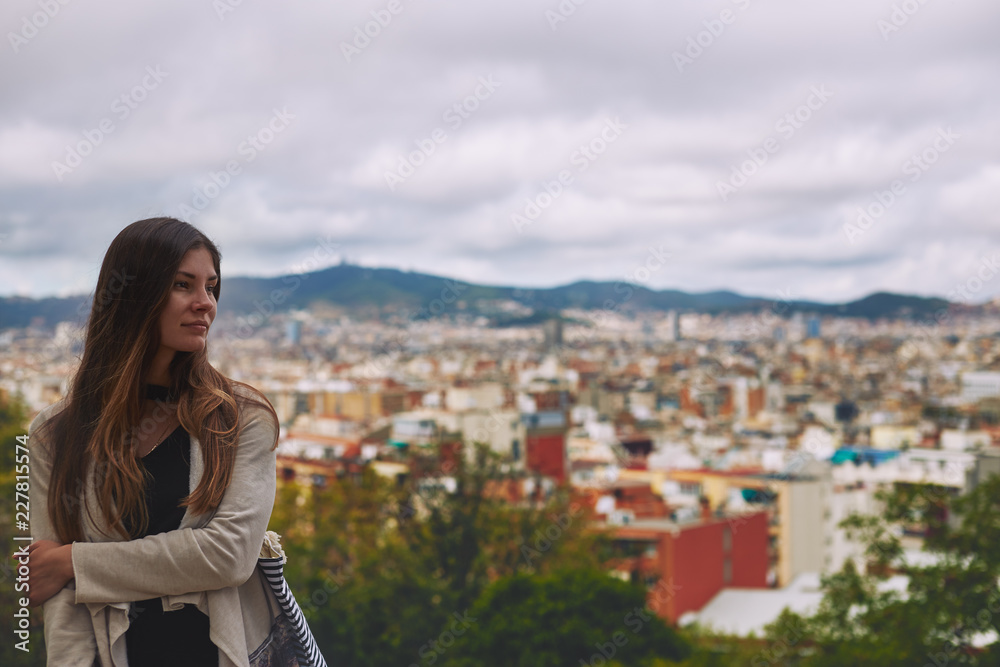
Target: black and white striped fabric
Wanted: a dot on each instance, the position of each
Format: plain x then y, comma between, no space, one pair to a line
306,650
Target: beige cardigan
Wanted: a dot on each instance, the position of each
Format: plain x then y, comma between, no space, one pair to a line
208,561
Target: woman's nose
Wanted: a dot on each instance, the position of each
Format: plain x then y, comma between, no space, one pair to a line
204,301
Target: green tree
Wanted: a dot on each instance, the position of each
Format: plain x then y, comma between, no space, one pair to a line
473,536
579,616
363,594
715,649
381,567
949,613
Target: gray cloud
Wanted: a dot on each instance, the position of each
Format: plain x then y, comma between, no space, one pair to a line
657,183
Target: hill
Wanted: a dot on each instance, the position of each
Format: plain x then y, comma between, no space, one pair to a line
382,292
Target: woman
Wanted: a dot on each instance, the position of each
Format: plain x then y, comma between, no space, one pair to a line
153,481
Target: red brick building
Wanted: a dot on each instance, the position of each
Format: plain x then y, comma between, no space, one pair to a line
545,444
687,564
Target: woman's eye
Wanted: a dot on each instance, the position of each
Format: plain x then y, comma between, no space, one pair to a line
214,289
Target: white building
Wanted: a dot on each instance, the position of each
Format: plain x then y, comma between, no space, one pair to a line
484,396
962,441
890,436
980,384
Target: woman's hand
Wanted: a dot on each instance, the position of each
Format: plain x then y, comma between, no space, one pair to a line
50,568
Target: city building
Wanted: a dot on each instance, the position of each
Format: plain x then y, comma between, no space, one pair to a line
685,565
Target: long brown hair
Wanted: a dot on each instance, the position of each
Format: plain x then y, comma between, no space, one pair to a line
101,417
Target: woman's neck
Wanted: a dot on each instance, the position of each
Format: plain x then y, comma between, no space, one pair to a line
159,371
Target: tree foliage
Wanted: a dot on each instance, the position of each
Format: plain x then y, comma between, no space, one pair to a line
381,568
567,617
949,611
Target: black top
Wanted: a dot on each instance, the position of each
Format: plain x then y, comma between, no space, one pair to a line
155,637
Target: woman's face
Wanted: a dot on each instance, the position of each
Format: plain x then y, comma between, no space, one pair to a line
192,300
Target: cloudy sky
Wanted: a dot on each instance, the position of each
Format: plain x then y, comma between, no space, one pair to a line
826,149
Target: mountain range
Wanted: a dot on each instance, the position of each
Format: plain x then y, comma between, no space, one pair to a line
383,292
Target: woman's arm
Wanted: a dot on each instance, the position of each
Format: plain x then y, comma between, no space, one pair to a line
69,631
221,554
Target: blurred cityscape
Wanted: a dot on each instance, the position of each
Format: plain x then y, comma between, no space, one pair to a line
721,451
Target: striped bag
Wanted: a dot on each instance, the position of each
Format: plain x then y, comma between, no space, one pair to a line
291,628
